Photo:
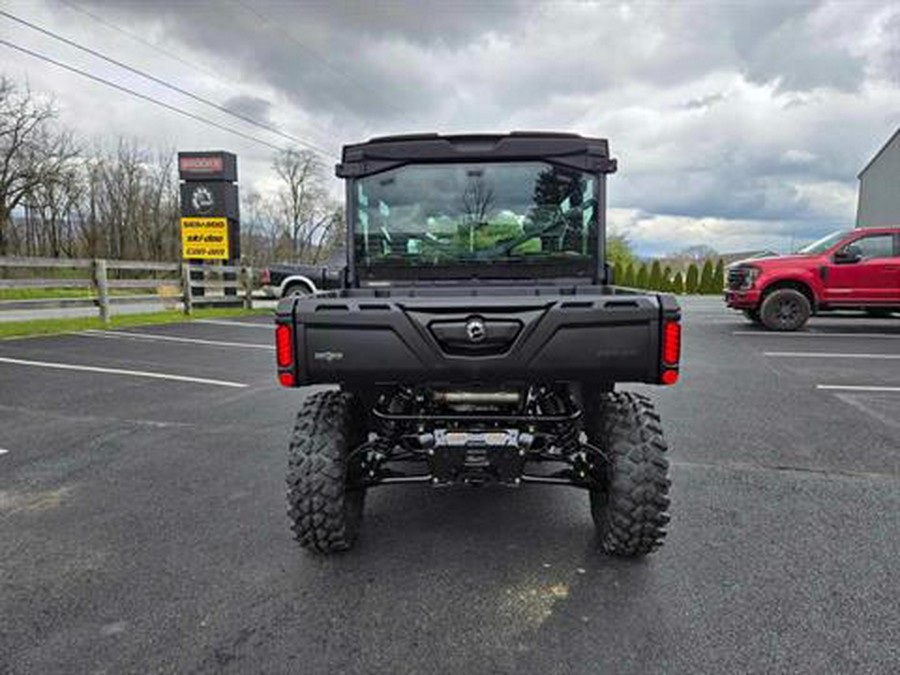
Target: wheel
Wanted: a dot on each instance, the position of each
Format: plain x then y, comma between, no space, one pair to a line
630,506
296,289
325,513
753,315
878,313
785,309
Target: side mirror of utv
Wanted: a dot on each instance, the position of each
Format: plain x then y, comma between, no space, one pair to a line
850,253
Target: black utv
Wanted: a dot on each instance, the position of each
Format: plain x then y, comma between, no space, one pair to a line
478,339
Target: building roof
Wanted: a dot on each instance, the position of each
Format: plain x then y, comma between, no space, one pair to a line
880,152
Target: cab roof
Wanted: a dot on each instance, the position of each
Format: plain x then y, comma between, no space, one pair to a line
389,152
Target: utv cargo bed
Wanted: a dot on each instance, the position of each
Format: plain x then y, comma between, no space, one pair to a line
486,334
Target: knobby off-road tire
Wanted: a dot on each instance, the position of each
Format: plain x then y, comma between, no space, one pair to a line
785,309
325,515
630,510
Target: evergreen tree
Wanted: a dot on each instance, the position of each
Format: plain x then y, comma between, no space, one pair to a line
655,276
666,279
641,279
719,277
706,278
691,285
628,279
618,273
678,284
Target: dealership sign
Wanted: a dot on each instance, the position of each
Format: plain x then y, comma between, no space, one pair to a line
205,238
210,220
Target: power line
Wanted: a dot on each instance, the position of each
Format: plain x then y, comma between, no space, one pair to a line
138,94
168,53
163,83
293,38
137,38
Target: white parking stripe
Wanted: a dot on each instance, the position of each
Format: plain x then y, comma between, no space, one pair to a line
825,355
117,371
3,451
880,336
242,324
170,338
853,387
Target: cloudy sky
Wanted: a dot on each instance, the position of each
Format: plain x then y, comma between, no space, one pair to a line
738,125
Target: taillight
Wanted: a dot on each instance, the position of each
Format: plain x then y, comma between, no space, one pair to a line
671,352
284,345
284,354
672,343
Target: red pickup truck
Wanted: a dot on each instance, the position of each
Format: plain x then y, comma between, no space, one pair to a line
856,269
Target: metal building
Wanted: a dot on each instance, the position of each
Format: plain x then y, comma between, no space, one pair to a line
879,187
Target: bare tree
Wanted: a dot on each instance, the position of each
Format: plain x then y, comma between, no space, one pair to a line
33,152
306,212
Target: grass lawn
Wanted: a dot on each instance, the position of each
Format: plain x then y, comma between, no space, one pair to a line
15,329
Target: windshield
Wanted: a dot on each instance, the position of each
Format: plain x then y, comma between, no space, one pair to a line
428,215
823,244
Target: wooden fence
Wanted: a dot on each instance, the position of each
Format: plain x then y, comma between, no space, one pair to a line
110,282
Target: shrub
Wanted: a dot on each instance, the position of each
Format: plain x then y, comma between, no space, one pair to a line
706,278
678,284
693,279
719,277
642,275
655,276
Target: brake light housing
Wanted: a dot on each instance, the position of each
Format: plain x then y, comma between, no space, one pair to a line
284,354
671,352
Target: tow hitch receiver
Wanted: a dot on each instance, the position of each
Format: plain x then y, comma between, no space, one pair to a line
476,457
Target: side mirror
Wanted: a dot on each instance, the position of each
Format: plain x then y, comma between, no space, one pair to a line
851,253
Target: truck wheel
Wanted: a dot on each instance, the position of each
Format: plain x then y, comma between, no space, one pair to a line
296,289
785,309
325,514
753,315
629,509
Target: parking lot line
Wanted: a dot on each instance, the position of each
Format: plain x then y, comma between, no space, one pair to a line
117,371
170,338
855,387
243,324
3,451
894,336
828,355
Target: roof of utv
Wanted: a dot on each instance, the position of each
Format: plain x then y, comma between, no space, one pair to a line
389,152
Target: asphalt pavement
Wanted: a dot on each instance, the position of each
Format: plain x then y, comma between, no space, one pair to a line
143,527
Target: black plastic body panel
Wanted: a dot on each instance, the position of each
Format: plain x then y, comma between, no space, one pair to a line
366,337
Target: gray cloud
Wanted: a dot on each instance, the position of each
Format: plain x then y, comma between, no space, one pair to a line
756,114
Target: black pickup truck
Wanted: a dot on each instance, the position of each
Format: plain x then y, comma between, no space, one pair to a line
282,280
478,339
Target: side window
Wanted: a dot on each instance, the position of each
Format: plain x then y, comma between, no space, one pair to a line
876,246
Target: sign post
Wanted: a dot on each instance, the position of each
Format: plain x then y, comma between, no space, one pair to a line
210,216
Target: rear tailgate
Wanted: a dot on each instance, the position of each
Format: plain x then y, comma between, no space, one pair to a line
485,338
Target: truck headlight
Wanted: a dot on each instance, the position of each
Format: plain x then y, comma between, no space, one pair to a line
750,276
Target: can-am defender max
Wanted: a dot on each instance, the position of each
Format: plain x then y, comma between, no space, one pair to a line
478,339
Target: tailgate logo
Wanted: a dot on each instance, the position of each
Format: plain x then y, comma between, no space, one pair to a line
328,357
475,330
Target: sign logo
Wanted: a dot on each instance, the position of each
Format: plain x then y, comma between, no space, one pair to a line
202,199
205,238
476,330
211,164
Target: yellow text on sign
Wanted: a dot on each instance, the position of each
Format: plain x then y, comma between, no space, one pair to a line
205,238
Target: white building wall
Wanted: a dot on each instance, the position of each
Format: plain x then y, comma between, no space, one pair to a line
879,188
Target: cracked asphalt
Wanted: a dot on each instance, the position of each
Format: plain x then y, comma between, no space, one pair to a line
143,528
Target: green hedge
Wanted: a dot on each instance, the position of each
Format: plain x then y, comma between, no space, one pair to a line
708,280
